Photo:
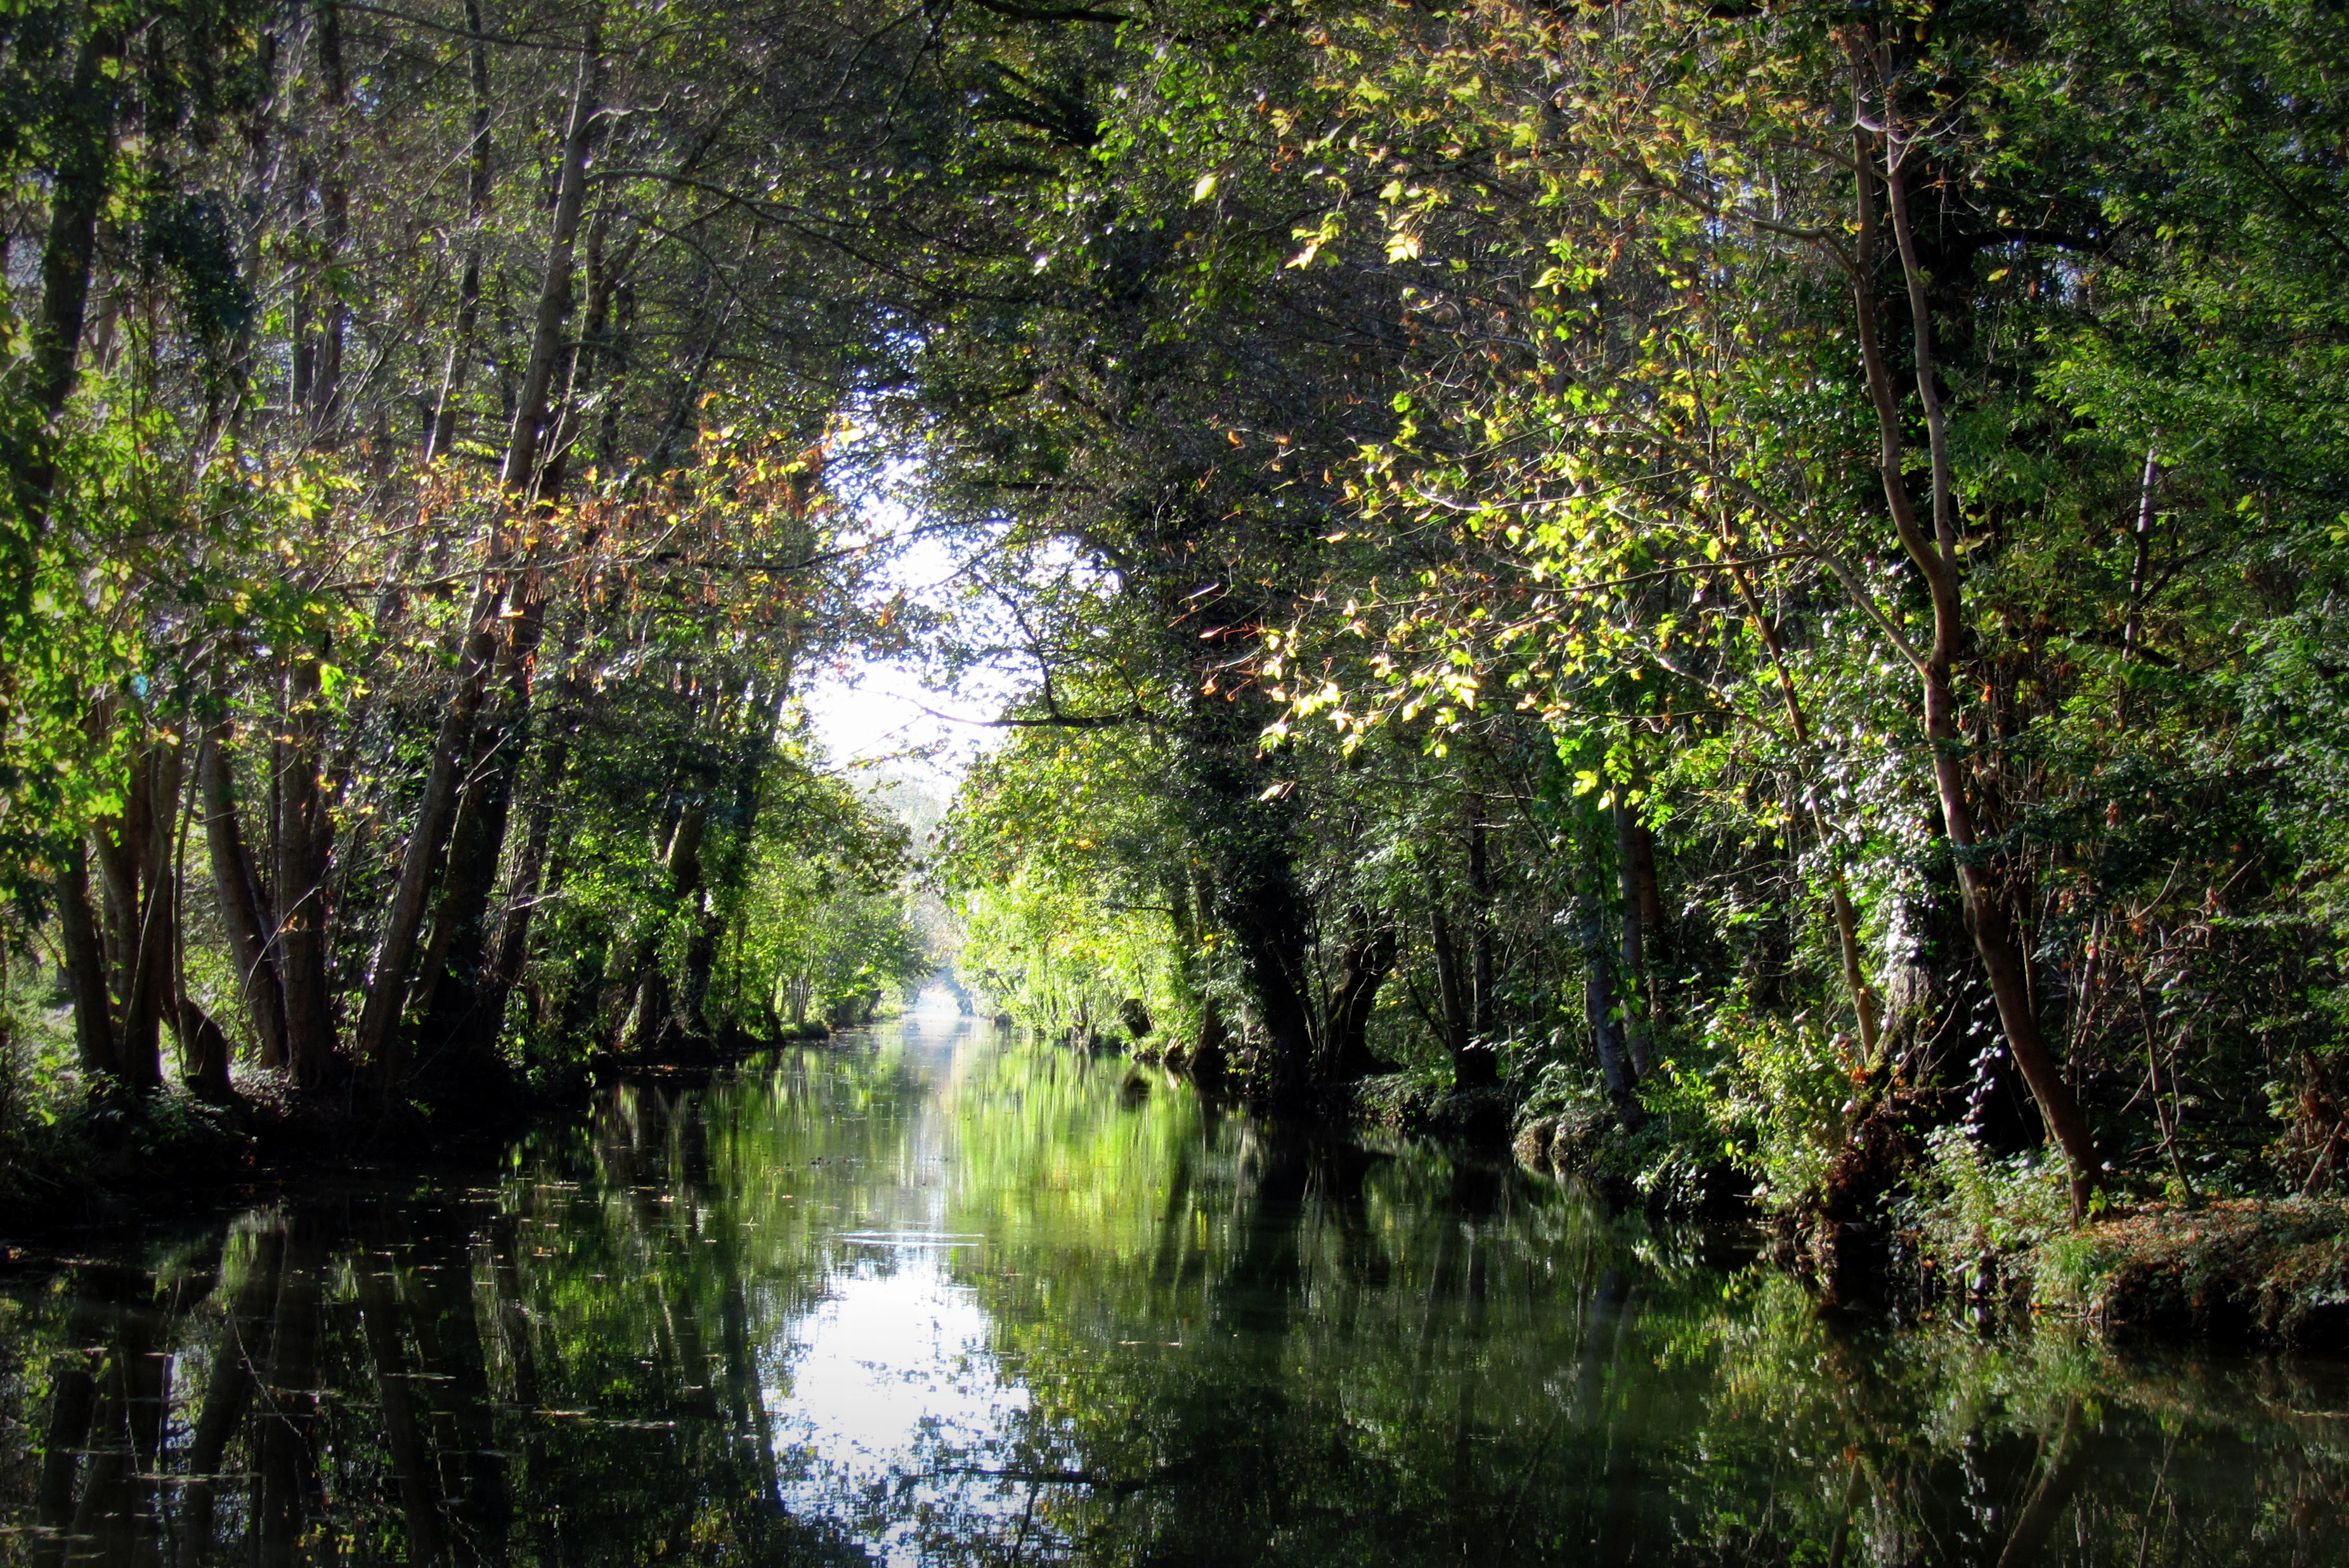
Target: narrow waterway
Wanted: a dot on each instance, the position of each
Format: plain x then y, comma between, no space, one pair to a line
934,1295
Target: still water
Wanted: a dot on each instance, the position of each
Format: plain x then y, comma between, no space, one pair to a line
936,1295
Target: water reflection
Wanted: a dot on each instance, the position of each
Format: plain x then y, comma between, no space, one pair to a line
937,1297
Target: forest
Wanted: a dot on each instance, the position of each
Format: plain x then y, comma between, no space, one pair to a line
1748,597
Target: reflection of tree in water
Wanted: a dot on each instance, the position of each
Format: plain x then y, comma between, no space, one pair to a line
1237,1345
562,1369
1407,1359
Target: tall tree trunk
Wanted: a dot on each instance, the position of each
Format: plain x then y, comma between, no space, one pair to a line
77,195
1599,1011
530,881
526,447
1937,560
456,953
298,879
85,956
1484,1013
1452,1019
653,1019
380,1043
1635,862
137,858
329,313
237,891
1345,1032
459,366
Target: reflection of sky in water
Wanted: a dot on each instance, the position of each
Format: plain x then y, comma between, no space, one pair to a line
894,1409
893,1393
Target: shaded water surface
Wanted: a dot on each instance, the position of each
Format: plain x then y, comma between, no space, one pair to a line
933,1296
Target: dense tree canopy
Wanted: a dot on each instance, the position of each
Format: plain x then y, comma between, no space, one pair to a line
1765,578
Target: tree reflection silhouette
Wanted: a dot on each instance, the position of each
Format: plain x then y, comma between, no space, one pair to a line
1130,1328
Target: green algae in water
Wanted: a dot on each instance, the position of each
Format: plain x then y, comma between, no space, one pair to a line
932,1295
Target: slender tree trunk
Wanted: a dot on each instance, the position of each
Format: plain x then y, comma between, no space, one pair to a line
1453,1017
85,956
653,1018
1599,1012
1484,1019
140,864
84,152
459,364
1635,864
525,449
1369,958
1938,563
457,955
380,1043
238,892
204,1048
298,879
330,316
530,883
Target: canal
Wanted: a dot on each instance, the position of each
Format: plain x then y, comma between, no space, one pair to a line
935,1294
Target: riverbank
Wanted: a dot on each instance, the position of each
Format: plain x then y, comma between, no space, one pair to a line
79,1160
2275,1271
2270,1271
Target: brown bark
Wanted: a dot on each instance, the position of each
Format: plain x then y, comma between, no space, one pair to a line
298,878
135,852
237,889
459,366
456,953
330,316
503,967
1937,560
449,977
1635,863
1482,1019
1599,1012
77,197
1452,1020
526,449
1368,959
85,956
380,1043
652,1020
